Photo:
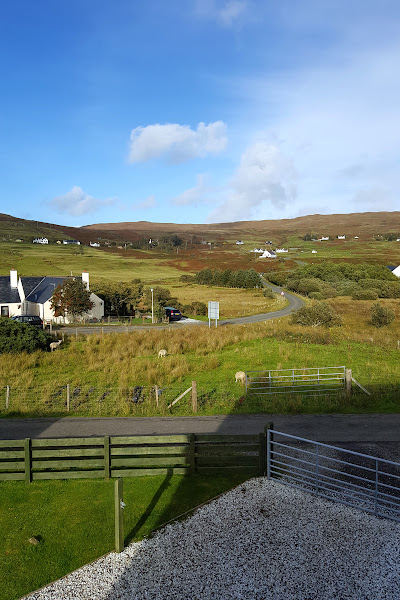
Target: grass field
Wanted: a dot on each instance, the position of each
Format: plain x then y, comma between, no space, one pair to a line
74,521
211,357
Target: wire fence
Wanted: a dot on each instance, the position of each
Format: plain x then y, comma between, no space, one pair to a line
316,380
95,400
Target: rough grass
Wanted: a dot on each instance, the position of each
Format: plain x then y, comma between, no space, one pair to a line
74,521
120,361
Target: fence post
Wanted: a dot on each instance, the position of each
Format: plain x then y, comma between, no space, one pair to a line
28,459
347,379
270,440
156,389
245,381
192,454
376,485
7,397
68,396
107,457
194,396
317,468
119,515
262,449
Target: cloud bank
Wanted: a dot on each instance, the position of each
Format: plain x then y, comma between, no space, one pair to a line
176,143
77,203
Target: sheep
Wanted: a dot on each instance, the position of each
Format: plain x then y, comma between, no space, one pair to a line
55,345
240,377
162,353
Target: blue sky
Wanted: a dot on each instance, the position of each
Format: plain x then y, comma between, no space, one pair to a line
198,111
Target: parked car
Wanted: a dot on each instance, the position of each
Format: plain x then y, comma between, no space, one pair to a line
29,319
172,313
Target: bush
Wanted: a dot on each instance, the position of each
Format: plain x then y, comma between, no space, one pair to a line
20,337
381,315
316,296
365,295
195,308
316,315
268,293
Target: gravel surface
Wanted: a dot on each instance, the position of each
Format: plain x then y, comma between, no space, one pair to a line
262,540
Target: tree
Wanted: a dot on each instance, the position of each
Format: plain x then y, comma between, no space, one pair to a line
381,315
118,295
71,298
21,337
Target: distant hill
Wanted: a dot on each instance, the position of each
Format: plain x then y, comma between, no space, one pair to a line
364,225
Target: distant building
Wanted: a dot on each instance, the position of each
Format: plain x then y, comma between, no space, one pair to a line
341,237
95,244
313,252
268,254
239,242
323,238
72,242
281,250
396,271
40,241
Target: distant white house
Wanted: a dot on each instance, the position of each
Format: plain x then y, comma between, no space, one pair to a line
268,254
323,238
396,271
313,252
356,237
257,250
71,242
32,295
95,244
341,237
40,241
281,250
239,242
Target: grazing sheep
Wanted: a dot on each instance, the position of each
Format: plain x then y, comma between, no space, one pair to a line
240,377
55,345
162,353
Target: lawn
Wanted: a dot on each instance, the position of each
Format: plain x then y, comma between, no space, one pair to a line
74,521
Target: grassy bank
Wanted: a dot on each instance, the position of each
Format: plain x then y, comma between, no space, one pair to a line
74,521
118,362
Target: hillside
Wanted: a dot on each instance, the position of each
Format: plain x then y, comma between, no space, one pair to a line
363,225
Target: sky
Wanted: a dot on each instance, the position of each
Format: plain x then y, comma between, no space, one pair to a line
198,111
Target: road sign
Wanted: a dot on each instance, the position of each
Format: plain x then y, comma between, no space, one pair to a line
213,312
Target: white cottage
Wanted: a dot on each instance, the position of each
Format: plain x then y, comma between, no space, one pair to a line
32,295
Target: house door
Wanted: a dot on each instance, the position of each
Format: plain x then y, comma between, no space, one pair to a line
5,311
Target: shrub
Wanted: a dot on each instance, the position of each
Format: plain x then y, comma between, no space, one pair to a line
20,337
316,315
268,293
365,295
195,308
381,315
316,296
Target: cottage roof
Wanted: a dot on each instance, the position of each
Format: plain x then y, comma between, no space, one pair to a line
8,295
41,289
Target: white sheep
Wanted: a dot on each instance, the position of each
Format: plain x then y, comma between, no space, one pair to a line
55,345
240,377
162,353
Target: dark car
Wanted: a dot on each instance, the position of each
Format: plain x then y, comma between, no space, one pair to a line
29,319
172,313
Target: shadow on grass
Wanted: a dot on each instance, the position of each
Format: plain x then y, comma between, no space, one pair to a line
151,506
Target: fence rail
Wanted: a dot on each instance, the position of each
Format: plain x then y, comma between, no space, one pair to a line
76,458
317,380
358,480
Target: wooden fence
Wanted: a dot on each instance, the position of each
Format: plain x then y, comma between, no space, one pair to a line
76,458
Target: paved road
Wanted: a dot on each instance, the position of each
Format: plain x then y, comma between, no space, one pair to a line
294,304
325,428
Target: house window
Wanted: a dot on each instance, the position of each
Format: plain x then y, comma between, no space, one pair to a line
5,311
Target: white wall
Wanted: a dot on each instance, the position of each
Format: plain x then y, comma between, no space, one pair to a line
97,312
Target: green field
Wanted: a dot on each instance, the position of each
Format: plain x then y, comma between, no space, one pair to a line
74,521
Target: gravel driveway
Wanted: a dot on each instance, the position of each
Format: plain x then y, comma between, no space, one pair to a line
260,541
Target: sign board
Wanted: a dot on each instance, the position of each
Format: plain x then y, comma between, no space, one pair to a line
213,312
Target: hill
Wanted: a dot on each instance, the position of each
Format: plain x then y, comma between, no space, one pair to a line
363,225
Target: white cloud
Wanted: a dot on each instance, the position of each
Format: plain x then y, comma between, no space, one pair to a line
227,13
264,181
176,143
195,195
77,203
145,204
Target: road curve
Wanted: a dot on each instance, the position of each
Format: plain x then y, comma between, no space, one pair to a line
294,304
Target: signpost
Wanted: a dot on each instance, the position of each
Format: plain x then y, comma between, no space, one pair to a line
213,312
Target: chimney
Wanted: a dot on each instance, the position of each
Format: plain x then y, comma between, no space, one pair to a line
85,278
13,279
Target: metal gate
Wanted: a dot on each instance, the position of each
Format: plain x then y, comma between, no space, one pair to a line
316,380
358,480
